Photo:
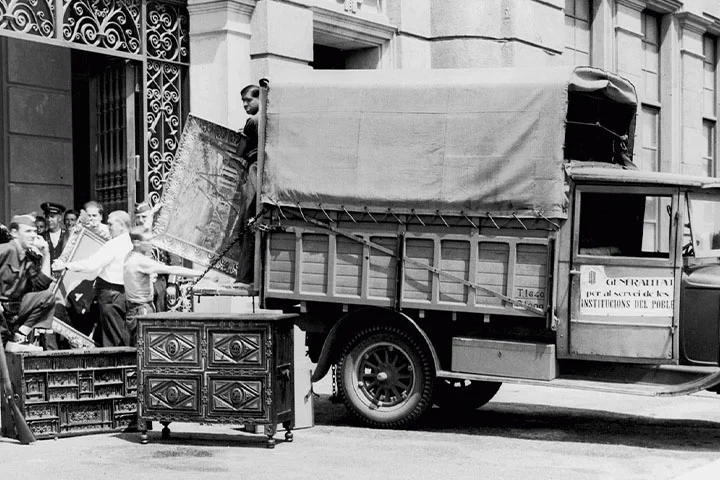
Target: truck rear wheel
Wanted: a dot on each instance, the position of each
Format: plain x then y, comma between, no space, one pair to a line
385,378
462,394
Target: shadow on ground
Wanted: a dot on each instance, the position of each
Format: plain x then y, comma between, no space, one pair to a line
547,423
179,437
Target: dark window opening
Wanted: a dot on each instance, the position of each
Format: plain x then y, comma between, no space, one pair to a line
625,225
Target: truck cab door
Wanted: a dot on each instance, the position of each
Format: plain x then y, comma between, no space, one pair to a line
625,280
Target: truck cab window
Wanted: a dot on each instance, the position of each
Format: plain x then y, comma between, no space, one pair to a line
704,225
624,225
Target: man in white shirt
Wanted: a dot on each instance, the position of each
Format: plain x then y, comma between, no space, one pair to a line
107,262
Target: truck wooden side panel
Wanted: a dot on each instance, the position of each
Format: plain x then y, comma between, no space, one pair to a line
307,262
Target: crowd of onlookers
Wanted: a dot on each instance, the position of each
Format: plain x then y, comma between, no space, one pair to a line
116,283
69,219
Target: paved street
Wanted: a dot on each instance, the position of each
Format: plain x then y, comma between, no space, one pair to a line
526,432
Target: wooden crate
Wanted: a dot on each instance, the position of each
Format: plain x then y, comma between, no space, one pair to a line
74,392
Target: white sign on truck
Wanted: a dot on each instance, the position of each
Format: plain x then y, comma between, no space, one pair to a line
603,295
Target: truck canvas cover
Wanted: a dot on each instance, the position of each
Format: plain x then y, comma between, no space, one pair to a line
448,141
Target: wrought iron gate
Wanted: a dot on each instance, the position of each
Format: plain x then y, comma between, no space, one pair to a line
116,28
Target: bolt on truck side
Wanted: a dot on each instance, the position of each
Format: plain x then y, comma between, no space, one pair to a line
444,232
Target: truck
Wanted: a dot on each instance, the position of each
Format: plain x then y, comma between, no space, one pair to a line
443,232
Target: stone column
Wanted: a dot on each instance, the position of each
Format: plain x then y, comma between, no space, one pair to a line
497,33
220,33
282,37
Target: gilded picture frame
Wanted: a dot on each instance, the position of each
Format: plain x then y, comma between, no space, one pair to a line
205,199
81,244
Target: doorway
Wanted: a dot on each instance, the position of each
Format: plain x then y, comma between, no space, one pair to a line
107,136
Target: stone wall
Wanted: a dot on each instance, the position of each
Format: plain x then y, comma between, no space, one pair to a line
36,122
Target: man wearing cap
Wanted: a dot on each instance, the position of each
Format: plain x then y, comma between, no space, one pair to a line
55,235
164,286
139,272
107,262
25,300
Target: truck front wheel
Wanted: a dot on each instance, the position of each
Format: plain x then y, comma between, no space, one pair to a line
385,378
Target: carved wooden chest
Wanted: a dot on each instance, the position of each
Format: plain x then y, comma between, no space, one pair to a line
216,368
72,392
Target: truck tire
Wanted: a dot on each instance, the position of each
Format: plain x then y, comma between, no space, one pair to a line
463,395
385,378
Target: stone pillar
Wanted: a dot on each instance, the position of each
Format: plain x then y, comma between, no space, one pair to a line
497,33
220,33
282,37
602,35
412,43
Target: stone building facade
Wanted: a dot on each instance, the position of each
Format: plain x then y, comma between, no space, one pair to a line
132,86
667,48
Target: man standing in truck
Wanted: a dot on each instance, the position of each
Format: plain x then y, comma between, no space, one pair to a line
251,103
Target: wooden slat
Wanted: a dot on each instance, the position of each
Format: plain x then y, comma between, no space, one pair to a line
314,263
281,264
455,258
382,270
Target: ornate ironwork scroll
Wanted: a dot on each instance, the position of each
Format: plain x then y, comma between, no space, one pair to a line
168,49
36,17
167,32
112,24
164,121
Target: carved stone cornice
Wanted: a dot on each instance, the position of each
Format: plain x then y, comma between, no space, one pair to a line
663,6
693,22
360,29
243,7
714,27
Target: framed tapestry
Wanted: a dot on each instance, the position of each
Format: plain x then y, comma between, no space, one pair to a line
74,290
206,197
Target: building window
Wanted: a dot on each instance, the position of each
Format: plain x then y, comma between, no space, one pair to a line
709,143
650,128
651,57
709,102
577,32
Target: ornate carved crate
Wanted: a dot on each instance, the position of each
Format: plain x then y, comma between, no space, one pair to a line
216,368
72,392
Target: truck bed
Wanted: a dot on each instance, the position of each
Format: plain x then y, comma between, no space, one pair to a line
307,262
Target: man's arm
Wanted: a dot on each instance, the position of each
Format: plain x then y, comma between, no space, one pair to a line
149,266
94,263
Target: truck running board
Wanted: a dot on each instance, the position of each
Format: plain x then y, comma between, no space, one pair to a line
683,380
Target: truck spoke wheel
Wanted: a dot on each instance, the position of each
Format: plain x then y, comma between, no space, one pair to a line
385,378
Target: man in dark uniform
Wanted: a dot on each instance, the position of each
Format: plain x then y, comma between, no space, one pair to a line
25,300
55,235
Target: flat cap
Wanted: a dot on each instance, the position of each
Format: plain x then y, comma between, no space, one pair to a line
28,220
52,207
142,207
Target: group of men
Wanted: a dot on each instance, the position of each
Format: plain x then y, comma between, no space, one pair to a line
126,277
123,287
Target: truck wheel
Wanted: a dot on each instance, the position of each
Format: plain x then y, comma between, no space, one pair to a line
385,378
463,394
